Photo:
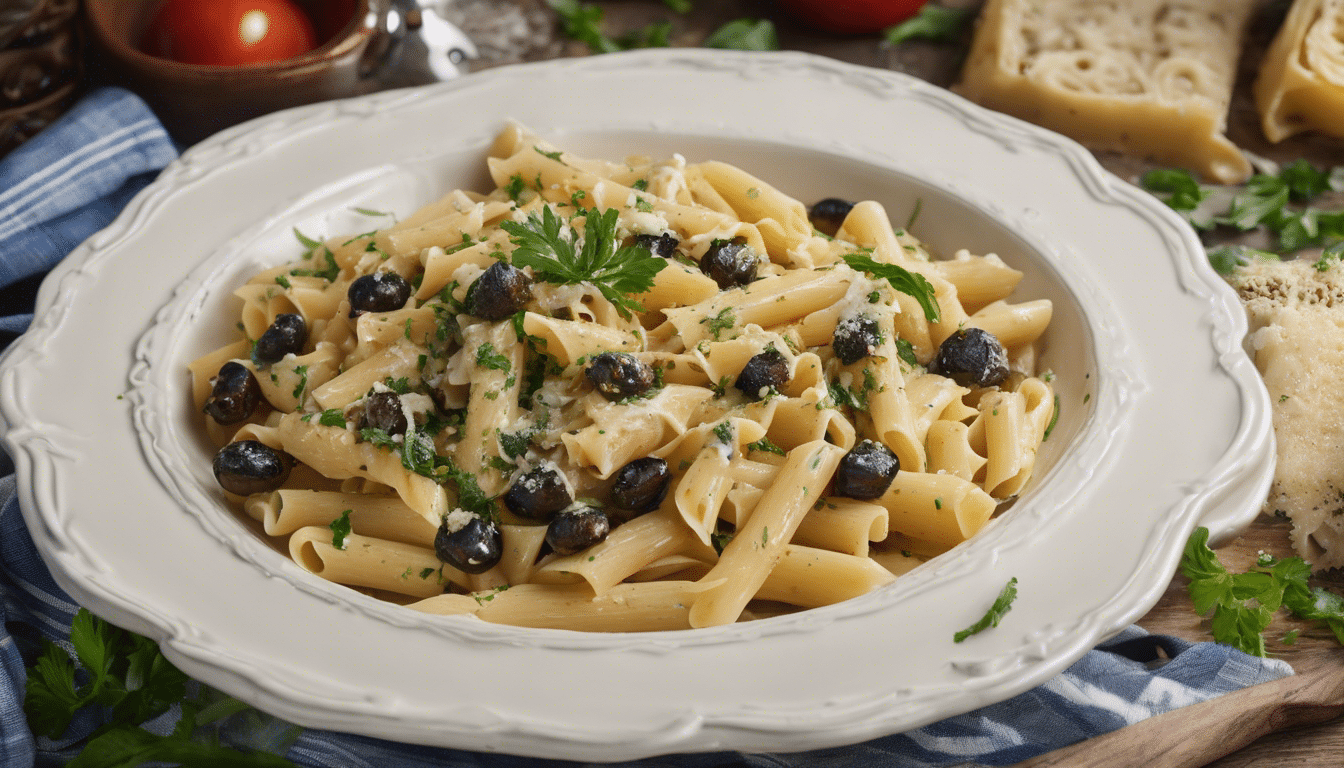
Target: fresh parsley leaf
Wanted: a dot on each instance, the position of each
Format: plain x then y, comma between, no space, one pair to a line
1226,258
1183,191
901,279
515,187
906,351
1304,180
308,243
1244,604
546,244
933,22
1002,604
765,445
340,528
125,680
679,6
1263,198
583,22
745,35
333,417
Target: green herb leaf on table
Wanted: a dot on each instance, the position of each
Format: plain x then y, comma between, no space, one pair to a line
1244,604
129,681
583,22
1002,604
546,244
933,22
745,35
901,279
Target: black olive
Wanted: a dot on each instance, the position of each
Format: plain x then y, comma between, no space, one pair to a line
577,529
662,246
475,547
618,375
538,494
235,394
828,215
641,485
763,372
379,292
501,291
972,357
286,336
248,466
730,263
856,337
866,471
382,410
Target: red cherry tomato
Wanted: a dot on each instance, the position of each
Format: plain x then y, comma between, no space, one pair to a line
229,32
852,17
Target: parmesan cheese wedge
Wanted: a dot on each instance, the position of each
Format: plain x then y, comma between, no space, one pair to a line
1149,77
1301,81
1296,317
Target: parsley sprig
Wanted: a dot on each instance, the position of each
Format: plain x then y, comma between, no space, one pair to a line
546,244
901,279
1244,604
934,23
126,679
1278,203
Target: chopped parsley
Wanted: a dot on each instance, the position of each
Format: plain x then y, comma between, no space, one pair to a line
302,372
488,358
724,432
1002,604
340,528
723,321
515,187
765,445
333,417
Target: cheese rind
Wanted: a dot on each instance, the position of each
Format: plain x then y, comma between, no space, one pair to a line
1296,314
1148,77
1301,82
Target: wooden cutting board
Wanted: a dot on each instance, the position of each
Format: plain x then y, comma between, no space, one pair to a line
1223,732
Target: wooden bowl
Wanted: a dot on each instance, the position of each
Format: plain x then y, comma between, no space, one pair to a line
194,101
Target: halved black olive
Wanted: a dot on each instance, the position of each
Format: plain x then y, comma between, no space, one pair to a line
855,338
474,547
382,410
501,291
866,471
972,357
538,494
577,529
828,215
764,372
285,336
641,485
235,394
248,466
730,263
662,246
618,375
379,292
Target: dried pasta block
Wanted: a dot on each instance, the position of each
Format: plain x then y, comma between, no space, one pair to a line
1301,81
1149,77
1297,331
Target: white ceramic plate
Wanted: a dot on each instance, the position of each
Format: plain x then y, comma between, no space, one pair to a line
1163,424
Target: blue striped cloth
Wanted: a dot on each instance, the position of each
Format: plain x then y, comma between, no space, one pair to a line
72,179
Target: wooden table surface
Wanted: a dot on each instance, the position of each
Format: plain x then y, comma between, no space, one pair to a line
528,32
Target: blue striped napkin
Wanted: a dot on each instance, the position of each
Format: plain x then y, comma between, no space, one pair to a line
72,179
